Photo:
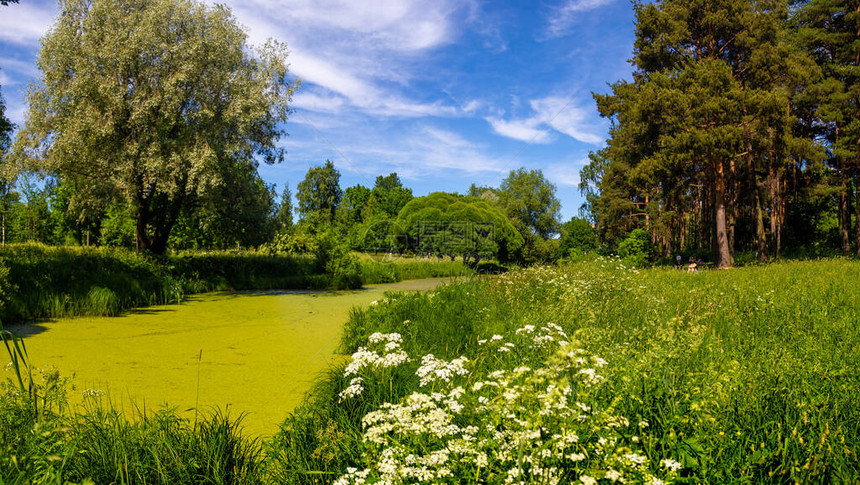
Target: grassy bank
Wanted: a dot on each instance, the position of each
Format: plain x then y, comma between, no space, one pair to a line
593,371
38,281
384,270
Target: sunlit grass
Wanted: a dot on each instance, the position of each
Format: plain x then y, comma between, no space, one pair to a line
744,376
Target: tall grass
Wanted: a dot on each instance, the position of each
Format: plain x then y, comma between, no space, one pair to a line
38,281
42,442
382,270
742,376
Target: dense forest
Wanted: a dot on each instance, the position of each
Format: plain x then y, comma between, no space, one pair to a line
739,130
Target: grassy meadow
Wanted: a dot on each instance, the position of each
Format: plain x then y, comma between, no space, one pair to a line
594,372
582,373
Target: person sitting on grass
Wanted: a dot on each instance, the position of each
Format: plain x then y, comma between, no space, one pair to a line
693,267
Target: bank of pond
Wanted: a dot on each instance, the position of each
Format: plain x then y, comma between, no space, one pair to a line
39,281
578,373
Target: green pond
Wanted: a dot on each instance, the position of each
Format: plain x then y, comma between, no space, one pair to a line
254,352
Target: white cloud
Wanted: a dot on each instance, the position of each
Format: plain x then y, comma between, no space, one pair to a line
25,23
565,117
27,70
420,152
556,113
562,17
524,130
362,51
307,99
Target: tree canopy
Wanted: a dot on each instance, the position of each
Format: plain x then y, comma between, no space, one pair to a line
153,102
319,196
704,141
442,223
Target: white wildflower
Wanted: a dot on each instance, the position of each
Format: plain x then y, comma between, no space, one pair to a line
614,475
587,480
354,389
671,464
432,369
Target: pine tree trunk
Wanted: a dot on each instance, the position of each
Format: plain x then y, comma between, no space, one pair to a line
780,221
723,252
844,217
758,213
856,208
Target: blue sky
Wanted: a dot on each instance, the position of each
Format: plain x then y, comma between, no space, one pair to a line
445,93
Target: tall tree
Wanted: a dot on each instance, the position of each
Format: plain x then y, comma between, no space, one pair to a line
284,215
390,195
704,128
356,201
5,183
154,100
529,198
319,196
830,31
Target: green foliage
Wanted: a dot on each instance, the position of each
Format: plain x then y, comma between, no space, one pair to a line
333,257
384,270
210,106
6,286
577,239
705,129
101,445
319,195
448,224
635,249
117,227
56,282
284,212
291,244
389,195
529,200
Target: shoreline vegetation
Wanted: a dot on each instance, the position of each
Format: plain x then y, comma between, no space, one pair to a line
39,281
588,372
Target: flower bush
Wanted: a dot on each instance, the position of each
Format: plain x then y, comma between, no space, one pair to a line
536,424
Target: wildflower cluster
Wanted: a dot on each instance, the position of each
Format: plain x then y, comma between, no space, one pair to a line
383,352
524,425
391,354
433,369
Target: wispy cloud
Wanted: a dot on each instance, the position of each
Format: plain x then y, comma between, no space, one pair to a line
362,53
524,130
562,17
28,24
551,113
564,116
25,70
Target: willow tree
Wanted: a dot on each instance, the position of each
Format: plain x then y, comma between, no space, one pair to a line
155,101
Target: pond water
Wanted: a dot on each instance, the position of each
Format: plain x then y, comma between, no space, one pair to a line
254,352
